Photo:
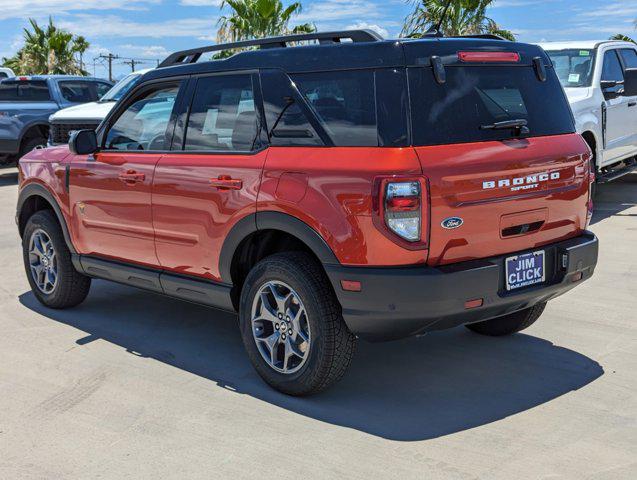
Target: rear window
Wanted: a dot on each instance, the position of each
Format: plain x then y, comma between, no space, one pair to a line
344,103
479,96
24,91
574,67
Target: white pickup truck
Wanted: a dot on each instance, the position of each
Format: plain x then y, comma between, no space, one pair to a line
595,75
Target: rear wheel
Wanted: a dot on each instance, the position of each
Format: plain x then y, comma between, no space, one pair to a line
47,261
509,324
292,326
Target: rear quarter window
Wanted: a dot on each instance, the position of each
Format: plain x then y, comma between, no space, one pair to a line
477,96
24,91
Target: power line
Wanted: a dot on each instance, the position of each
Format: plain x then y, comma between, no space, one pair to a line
109,58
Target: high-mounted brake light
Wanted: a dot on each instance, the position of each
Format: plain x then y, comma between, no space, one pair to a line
23,79
489,57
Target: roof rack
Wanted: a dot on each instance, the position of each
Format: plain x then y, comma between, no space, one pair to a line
192,56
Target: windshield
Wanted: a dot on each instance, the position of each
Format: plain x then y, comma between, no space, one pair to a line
121,88
574,67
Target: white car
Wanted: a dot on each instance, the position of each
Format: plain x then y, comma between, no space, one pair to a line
89,115
6,73
597,77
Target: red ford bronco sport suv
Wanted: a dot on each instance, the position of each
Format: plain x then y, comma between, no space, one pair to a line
352,187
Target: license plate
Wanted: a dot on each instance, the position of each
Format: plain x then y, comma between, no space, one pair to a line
525,270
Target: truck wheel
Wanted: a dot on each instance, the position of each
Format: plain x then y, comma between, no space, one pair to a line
47,261
509,324
292,326
32,144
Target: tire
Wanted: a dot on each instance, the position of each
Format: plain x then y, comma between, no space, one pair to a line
32,144
508,324
70,287
317,363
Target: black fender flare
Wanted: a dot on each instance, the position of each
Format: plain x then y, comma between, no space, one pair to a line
37,190
28,126
272,221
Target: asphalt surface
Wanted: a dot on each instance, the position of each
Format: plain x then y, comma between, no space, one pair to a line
135,385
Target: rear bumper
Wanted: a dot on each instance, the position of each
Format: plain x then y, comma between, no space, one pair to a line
405,301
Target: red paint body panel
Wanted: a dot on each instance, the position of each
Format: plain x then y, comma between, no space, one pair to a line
456,175
338,200
110,216
178,216
191,217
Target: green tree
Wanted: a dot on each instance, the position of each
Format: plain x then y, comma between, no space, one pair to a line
48,50
463,17
250,19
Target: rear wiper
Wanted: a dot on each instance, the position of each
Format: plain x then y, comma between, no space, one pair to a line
519,125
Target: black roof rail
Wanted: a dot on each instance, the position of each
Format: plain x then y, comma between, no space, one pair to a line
192,56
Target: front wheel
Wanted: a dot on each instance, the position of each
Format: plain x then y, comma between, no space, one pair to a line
509,324
292,326
47,261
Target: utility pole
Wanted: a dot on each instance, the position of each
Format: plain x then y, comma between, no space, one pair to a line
133,63
109,58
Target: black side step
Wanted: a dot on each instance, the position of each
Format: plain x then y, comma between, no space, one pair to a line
615,174
191,289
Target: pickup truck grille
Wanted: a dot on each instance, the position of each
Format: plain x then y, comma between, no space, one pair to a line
60,132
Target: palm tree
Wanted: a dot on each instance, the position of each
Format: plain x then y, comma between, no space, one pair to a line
623,38
257,19
48,50
463,17
81,46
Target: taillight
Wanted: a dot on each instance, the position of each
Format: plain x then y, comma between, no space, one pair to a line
400,207
403,209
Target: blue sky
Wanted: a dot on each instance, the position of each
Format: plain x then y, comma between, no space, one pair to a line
151,29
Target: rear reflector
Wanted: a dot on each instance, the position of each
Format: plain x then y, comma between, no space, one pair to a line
489,57
351,286
478,302
577,277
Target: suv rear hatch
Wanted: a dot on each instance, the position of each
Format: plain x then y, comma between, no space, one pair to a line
495,137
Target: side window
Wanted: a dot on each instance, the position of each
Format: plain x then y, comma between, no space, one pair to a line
3,75
102,88
629,56
142,126
612,69
223,115
344,102
79,91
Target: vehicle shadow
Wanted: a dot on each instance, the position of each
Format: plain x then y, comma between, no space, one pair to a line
614,198
8,177
416,389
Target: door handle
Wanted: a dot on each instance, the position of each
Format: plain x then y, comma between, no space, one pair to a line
131,177
225,182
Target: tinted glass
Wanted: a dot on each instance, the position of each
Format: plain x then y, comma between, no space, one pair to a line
344,103
78,91
477,96
3,75
612,70
223,115
629,56
574,67
287,122
142,126
24,91
102,89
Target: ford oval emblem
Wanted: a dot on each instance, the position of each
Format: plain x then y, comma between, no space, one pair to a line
452,222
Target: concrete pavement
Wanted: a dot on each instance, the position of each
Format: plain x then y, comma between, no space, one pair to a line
136,385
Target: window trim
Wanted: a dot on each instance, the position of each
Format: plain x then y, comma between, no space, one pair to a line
128,100
185,108
614,51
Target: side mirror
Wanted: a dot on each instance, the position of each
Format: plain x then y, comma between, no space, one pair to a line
611,89
630,82
83,142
